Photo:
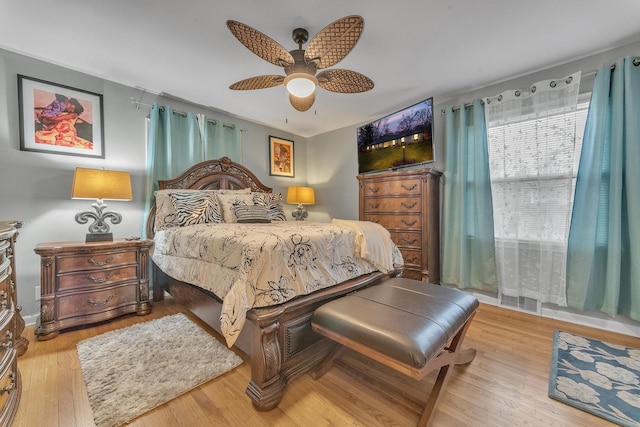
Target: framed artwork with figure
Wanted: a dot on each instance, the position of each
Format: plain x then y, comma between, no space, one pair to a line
281,160
59,119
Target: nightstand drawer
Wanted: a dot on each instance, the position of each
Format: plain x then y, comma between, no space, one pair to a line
83,303
88,279
95,261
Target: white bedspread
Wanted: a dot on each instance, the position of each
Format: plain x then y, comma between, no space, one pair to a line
258,265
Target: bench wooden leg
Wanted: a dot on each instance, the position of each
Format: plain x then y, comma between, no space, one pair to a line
326,365
454,356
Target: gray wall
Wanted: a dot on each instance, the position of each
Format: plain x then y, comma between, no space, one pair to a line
333,164
36,187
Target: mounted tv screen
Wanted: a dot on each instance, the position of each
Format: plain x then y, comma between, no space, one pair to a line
398,140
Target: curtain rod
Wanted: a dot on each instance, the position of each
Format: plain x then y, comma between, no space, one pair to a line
636,62
182,113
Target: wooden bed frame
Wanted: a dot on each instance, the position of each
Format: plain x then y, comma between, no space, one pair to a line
278,340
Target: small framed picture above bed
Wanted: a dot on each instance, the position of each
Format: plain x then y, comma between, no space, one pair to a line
59,119
281,160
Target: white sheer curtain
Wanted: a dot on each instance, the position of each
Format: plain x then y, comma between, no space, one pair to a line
534,151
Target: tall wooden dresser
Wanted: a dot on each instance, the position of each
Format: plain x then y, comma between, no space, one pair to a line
10,383
407,203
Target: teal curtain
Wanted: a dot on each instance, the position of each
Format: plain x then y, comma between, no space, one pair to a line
468,250
603,261
179,140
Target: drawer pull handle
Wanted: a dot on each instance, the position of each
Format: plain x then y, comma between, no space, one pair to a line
374,190
372,206
409,188
99,303
3,296
101,279
409,242
9,344
411,260
408,205
100,263
409,223
12,385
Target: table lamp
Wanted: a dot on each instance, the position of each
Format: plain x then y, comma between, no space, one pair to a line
100,185
301,196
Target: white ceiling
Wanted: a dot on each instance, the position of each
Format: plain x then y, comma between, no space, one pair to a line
411,49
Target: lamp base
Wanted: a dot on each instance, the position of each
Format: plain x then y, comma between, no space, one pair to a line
99,237
300,213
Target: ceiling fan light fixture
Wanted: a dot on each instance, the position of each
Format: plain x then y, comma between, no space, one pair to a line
300,85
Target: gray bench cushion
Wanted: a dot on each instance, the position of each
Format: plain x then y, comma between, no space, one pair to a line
407,320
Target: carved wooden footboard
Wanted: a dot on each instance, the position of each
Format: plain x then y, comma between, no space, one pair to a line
278,340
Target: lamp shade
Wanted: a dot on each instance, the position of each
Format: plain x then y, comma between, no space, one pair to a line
301,195
101,184
300,85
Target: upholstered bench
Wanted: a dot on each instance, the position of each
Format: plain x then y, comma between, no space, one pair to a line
413,327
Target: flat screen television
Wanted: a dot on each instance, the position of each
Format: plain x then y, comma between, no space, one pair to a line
401,139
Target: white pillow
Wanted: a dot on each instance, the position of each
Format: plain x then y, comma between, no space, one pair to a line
228,201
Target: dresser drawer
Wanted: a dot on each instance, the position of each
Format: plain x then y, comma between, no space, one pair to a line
6,332
8,370
95,261
412,257
411,273
405,187
88,279
411,221
392,204
407,239
83,303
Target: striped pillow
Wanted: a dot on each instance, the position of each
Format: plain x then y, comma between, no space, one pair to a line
194,207
251,213
273,203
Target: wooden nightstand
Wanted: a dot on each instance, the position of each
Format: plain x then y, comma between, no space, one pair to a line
83,283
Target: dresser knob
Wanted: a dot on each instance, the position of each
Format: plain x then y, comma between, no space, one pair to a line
99,303
101,279
9,343
100,263
11,386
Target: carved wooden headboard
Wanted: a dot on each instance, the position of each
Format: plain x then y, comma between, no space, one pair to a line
218,174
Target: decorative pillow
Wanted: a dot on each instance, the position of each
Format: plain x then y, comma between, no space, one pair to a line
165,212
195,207
228,201
274,204
252,213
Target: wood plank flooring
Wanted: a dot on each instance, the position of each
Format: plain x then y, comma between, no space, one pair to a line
506,384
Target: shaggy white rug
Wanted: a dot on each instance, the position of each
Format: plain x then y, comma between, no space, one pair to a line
132,370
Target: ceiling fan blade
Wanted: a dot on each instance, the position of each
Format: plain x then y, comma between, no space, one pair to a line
263,46
344,81
302,104
258,82
334,41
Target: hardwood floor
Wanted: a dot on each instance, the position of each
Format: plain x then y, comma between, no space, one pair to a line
506,384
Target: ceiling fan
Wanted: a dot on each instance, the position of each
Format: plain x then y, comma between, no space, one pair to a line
325,49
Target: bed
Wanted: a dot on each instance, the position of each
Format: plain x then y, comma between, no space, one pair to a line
264,312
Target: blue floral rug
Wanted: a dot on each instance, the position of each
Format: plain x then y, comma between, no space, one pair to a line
597,377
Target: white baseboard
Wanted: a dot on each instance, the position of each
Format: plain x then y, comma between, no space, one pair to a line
596,320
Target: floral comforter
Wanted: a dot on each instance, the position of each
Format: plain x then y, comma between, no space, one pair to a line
258,265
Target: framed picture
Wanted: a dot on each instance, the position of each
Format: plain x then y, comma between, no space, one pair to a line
281,160
59,119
